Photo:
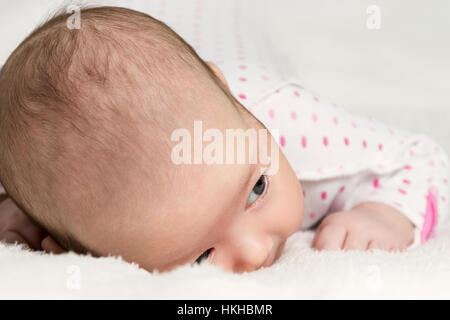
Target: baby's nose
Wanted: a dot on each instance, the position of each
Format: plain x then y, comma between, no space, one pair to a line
249,258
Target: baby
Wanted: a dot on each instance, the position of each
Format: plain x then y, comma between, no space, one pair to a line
86,130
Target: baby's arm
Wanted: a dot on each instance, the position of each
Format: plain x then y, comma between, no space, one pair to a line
370,178
416,188
396,202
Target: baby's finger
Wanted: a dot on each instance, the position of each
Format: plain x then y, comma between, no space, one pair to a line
329,237
355,241
49,245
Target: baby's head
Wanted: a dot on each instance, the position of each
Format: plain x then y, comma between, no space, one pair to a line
86,118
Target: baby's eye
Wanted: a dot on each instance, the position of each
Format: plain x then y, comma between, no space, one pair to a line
258,190
203,256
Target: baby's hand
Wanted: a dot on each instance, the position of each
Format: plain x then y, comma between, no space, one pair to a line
15,226
367,226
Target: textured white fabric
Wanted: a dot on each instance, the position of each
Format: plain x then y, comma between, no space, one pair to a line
300,273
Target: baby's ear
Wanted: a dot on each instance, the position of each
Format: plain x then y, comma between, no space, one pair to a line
217,72
49,245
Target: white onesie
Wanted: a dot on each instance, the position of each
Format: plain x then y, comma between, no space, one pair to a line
340,158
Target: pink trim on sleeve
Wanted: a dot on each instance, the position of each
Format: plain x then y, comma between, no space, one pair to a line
431,215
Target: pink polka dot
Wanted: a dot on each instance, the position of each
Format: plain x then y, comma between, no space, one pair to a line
431,163
376,183
314,116
282,141
342,189
390,131
277,91
334,105
323,195
354,125
443,199
304,142
243,79
316,99
265,77
335,120
325,141
445,181
373,193
411,153
401,191
242,96
319,170
312,215
380,147
406,181
346,141
341,167
407,167
296,93
243,67
293,115
271,113
364,144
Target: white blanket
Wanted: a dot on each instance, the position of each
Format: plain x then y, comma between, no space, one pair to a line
300,273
